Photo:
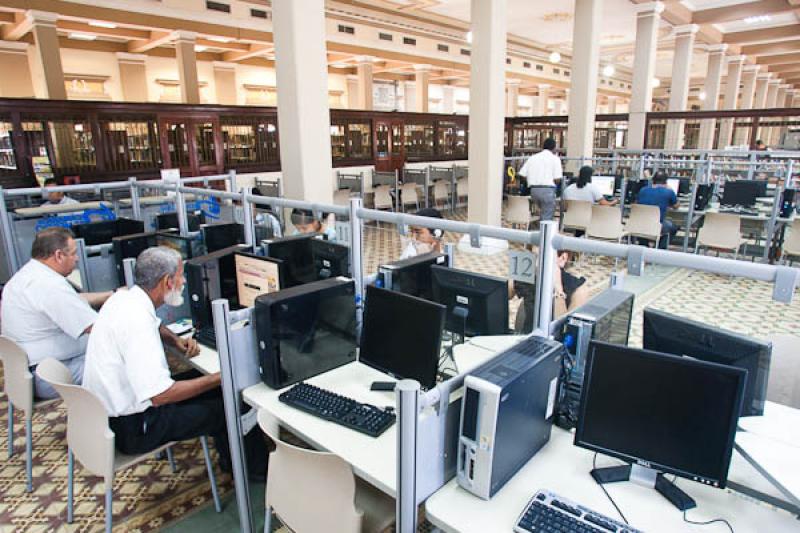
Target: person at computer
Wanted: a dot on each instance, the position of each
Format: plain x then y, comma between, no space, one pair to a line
661,196
56,197
586,191
423,240
760,146
266,217
42,312
541,171
304,221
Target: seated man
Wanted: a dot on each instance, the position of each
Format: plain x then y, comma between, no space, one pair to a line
661,196
127,369
56,197
305,222
41,311
423,240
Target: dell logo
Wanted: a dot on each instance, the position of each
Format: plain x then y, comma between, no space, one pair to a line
504,397
643,463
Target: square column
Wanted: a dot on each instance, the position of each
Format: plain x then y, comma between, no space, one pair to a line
735,64
644,67
679,90
761,90
225,82
352,91
612,105
422,78
364,69
749,73
716,56
43,27
512,97
448,99
486,117
583,85
409,96
304,126
187,66
772,98
133,76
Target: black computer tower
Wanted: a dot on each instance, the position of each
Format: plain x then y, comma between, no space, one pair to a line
703,196
787,202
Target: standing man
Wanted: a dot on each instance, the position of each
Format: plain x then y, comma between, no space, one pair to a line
660,195
41,311
541,171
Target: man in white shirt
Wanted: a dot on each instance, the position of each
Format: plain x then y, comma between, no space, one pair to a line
41,311
541,172
127,369
57,197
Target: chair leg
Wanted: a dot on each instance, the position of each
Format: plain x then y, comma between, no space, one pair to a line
109,508
211,477
10,429
29,450
268,519
70,483
171,459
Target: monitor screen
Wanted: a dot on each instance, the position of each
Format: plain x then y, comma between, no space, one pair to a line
295,252
742,192
402,335
166,221
668,413
255,275
667,333
674,184
130,246
413,275
219,236
100,232
605,184
330,259
477,304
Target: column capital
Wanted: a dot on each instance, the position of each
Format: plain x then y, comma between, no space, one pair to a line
717,48
184,36
736,59
544,86
764,75
130,59
351,77
686,29
513,82
224,65
649,9
422,68
41,18
751,68
775,81
365,60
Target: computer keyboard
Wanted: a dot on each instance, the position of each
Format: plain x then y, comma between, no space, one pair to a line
548,512
362,417
739,211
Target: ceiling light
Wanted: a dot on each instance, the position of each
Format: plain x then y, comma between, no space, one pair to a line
555,57
218,39
702,95
469,37
200,48
757,18
82,36
102,24
656,82
608,71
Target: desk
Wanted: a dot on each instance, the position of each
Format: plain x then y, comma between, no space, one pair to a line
564,469
154,200
58,209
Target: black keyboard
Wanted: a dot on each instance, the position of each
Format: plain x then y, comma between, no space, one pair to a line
362,417
207,337
548,512
739,211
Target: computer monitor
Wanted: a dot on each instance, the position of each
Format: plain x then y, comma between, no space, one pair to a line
255,275
219,236
166,221
667,333
684,185
401,335
104,231
130,246
674,184
661,413
295,251
605,184
742,192
477,304
632,188
330,259
413,275
187,246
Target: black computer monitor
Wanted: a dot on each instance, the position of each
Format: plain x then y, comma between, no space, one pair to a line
684,184
413,275
632,188
166,221
295,251
661,413
667,333
185,245
104,231
256,275
743,192
130,246
477,304
222,235
330,259
401,335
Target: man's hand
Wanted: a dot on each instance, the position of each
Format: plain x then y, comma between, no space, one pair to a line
188,346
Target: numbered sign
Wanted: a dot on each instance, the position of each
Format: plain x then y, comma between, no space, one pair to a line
522,266
343,233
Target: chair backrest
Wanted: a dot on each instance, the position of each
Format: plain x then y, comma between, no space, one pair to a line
88,434
322,478
606,223
409,191
519,209
578,214
644,220
441,190
720,230
462,187
383,199
791,245
16,375
341,197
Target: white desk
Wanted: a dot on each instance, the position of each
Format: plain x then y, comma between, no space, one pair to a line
59,208
564,469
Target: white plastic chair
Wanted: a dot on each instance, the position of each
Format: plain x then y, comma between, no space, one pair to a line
441,192
644,222
791,245
409,195
383,197
721,231
462,190
606,224
519,211
92,441
578,215
342,502
19,388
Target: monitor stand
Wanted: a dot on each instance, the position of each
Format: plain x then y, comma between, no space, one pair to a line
648,478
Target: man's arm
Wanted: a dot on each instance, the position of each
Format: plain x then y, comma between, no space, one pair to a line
186,345
185,389
96,299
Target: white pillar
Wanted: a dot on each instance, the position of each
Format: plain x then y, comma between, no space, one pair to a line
612,105
486,117
364,66
542,99
648,17
409,96
583,85
301,69
716,56
448,99
352,91
187,66
679,90
735,64
762,81
512,97
772,98
749,73
422,78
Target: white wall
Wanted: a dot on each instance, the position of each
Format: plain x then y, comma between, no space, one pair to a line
94,63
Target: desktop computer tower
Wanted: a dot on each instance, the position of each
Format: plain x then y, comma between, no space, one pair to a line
787,202
703,197
606,317
507,414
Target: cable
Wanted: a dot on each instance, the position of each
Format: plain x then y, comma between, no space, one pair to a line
594,467
722,520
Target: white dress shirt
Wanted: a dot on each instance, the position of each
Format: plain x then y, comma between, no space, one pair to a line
42,313
65,200
125,362
542,169
587,193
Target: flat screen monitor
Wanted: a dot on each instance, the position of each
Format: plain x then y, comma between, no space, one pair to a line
223,235
255,275
667,333
674,184
330,259
130,246
183,245
477,304
166,221
413,275
743,192
605,184
667,413
684,185
104,231
297,256
209,277
401,335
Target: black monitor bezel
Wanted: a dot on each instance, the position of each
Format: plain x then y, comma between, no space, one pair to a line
444,271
